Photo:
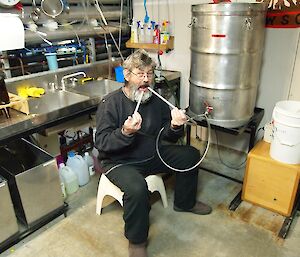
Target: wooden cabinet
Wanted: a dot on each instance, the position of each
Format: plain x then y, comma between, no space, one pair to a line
269,183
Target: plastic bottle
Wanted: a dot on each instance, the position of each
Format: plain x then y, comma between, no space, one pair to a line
156,37
134,32
164,33
90,163
95,155
141,33
149,35
62,185
79,166
69,178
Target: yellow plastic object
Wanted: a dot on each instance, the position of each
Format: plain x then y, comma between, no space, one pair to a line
31,91
22,92
83,80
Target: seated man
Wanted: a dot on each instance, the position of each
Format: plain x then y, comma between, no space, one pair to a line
126,140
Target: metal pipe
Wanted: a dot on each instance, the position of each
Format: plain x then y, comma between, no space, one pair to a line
109,52
64,34
21,66
111,13
63,86
38,2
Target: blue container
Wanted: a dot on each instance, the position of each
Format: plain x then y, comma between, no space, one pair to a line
119,74
52,61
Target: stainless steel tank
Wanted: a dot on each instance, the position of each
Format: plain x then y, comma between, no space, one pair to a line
226,51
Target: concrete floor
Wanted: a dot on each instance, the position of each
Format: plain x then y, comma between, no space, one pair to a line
250,231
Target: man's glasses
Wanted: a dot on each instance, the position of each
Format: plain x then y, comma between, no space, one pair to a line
141,75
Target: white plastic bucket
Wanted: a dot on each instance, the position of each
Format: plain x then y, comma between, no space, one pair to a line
285,146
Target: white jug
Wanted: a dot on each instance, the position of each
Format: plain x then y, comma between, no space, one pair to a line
79,166
90,163
69,179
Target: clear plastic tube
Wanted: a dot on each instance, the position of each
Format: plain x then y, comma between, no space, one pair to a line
198,163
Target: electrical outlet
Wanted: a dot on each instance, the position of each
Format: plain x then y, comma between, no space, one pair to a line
268,134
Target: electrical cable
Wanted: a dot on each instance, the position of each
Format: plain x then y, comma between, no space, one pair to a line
41,35
168,10
159,62
101,13
197,137
106,24
256,134
129,11
121,20
228,166
128,163
106,43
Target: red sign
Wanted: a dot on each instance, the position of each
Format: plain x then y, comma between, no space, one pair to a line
283,13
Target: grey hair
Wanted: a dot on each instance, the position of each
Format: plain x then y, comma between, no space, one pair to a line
139,59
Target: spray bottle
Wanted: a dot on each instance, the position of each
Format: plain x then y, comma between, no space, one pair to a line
134,32
149,34
156,37
165,34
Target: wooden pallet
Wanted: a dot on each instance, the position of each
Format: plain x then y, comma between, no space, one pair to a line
16,102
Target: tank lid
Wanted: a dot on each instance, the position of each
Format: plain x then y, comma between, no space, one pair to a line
229,7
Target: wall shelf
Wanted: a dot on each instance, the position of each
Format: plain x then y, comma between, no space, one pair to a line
163,47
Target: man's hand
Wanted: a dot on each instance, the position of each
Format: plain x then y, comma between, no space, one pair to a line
132,124
178,117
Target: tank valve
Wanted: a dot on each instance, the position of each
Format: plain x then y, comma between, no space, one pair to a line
208,108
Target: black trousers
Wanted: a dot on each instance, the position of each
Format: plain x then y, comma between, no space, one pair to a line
131,180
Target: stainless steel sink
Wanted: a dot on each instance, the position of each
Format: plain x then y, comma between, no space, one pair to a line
96,89
52,101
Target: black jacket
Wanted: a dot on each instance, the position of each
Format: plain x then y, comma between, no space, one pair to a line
113,110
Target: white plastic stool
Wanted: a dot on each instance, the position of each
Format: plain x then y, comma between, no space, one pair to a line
105,187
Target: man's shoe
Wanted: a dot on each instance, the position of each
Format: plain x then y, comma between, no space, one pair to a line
199,208
137,250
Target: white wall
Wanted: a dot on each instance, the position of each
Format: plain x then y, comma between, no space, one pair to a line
294,92
278,69
179,14
279,77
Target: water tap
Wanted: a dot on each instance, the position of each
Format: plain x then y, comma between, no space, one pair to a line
73,75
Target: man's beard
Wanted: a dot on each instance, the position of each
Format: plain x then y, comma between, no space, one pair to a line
135,94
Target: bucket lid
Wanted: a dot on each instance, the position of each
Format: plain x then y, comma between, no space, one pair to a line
289,108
